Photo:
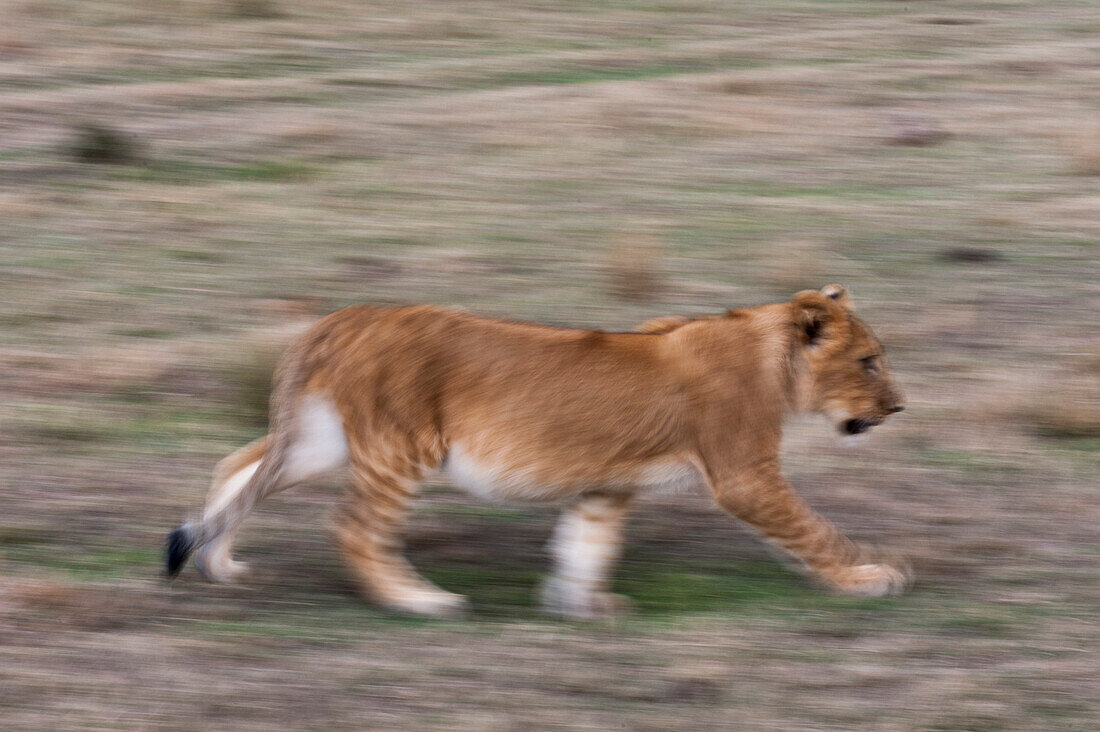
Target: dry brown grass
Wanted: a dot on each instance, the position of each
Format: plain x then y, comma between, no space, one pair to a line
634,270
796,265
1064,411
1082,143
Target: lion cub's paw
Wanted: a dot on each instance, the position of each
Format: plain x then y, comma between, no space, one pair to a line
439,604
219,567
871,580
563,598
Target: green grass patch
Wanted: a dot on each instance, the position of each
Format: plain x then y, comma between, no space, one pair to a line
733,588
969,464
495,589
190,172
154,333
82,563
129,421
583,74
748,588
197,256
1080,444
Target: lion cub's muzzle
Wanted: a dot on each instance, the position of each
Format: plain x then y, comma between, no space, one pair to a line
859,425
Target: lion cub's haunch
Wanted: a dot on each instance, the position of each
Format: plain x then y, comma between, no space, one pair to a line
527,412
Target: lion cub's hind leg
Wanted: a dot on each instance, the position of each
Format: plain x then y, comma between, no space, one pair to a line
215,560
368,534
585,546
317,446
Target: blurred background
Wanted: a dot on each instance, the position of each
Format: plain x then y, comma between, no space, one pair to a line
183,185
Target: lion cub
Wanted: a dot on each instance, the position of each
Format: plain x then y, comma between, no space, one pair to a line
587,419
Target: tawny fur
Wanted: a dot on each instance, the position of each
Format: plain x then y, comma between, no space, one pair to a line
527,412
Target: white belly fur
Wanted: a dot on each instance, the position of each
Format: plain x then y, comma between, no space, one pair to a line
493,482
320,444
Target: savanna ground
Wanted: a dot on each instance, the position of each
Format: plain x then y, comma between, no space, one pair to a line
182,184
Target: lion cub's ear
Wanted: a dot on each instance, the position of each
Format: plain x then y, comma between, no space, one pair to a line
814,311
840,295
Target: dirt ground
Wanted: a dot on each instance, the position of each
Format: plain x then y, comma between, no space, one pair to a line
183,185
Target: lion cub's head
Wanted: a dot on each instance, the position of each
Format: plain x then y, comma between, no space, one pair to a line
848,379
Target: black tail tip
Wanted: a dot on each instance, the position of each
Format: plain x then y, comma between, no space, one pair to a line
180,546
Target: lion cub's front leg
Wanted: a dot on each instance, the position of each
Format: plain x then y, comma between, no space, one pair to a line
765,500
585,546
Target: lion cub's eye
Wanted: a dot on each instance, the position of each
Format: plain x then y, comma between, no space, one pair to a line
870,364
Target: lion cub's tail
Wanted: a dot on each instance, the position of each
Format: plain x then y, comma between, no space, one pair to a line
231,476
234,495
248,474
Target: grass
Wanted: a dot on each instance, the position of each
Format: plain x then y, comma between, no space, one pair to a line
1083,146
184,172
589,75
101,144
80,566
633,269
576,163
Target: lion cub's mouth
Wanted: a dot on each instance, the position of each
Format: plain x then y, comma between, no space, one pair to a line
858,426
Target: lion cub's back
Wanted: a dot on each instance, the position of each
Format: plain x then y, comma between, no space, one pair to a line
516,403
